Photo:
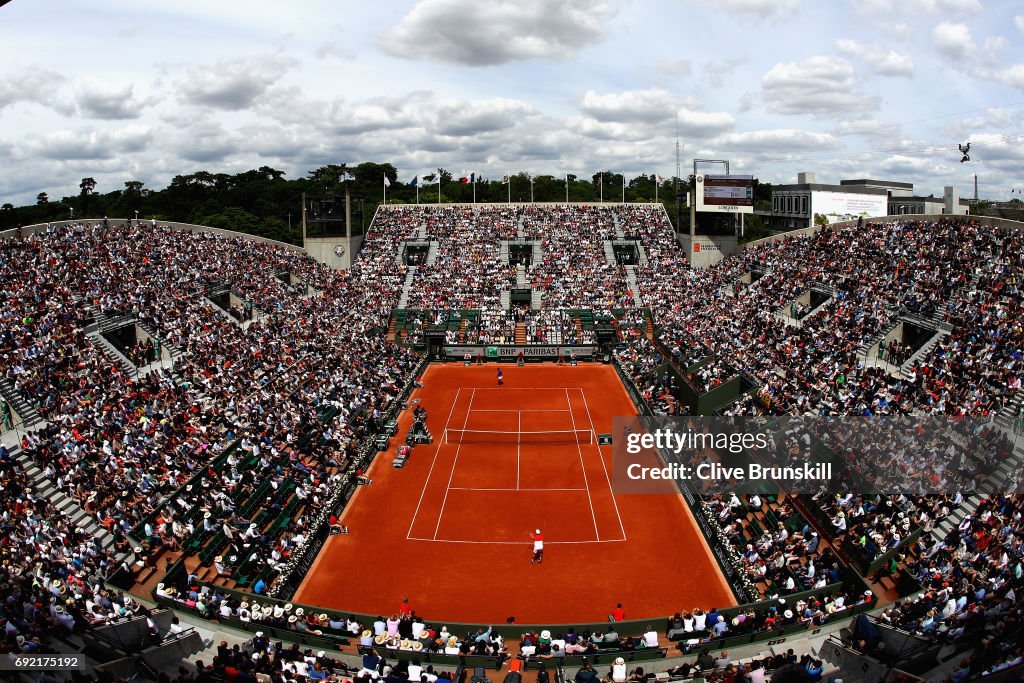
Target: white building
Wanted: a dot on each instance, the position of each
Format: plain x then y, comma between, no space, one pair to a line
795,206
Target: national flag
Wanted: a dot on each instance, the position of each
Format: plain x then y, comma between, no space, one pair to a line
435,181
465,180
387,183
660,180
504,180
600,181
415,181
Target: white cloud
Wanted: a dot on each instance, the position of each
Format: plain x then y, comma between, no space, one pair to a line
820,85
236,83
1012,76
887,8
479,117
37,86
704,123
638,106
883,61
953,41
777,140
1018,21
100,99
756,9
675,68
88,143
867,128
474,33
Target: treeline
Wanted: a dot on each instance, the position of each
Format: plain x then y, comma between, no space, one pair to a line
263,202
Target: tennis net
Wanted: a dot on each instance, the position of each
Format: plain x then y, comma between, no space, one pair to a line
563,436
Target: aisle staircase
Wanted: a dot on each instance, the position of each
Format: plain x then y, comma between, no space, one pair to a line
64,503
634,286
410,275
520,333
26,415
609,252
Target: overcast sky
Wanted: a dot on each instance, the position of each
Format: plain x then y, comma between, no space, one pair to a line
121,90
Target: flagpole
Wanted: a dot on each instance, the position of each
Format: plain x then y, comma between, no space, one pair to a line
385,190
600,185
439,187
566,188
474,188
655,188
623,188
509,183
417,192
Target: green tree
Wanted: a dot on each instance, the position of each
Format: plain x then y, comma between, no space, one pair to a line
42,198
88,188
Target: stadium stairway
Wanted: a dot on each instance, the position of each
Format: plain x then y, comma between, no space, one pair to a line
410,275
391,328
114,354
520,333
997,482
503,252
505,297
28,415
462,331
174,351
536,299
521,281
609,252
634,286
432,251
619,233
64,503
940,334
1009,420
519,227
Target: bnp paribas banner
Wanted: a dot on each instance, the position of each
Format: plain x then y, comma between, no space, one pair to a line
498,352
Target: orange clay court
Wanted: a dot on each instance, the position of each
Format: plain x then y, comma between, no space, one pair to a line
452,529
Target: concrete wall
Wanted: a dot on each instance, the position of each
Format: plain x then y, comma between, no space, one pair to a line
712,248
141,335
117,222
322,249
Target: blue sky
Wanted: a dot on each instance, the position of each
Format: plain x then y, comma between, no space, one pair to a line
123,90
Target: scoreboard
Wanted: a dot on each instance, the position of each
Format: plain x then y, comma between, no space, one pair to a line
725,193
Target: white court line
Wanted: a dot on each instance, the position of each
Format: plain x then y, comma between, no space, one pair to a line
455,462
464,488
519,543
524,410
427,480
519,443
603,466
579,450
507,388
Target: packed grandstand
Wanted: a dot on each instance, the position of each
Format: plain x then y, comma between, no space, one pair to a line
192,411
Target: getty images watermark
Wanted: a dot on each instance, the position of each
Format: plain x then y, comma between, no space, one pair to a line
805,455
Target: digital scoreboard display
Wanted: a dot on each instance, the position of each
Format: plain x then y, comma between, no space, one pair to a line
730,192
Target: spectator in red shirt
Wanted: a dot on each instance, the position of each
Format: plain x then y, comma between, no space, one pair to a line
618,614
